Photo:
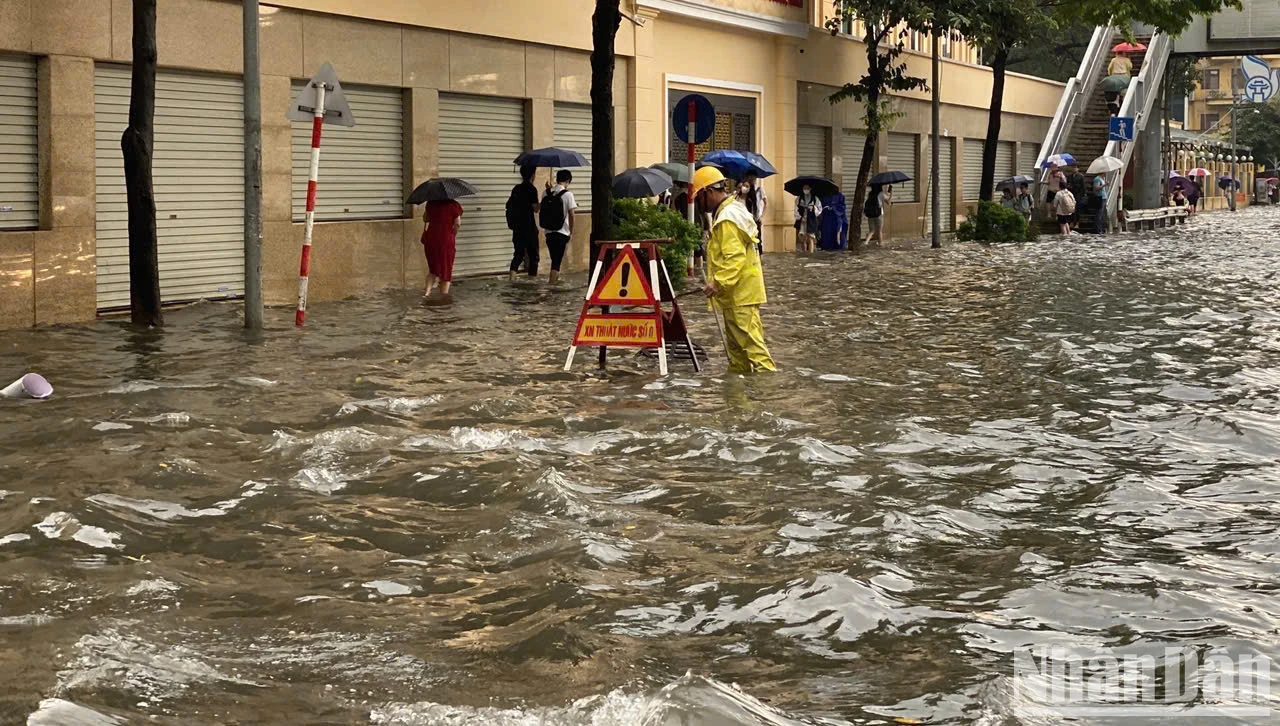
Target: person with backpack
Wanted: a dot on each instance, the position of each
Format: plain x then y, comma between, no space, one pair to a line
556,217
522,207
1064,206
873,211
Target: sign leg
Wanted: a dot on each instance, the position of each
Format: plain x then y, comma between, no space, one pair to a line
568,363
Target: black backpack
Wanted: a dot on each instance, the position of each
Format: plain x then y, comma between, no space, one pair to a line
871,208
551,211
513,216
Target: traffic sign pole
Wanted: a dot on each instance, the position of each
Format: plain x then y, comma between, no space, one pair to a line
304,268
693,133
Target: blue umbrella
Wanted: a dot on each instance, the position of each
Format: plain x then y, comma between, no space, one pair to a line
552,156
1058,160
760,165
735,163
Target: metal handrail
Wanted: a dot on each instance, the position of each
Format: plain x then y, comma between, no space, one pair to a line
1138,103
1076,96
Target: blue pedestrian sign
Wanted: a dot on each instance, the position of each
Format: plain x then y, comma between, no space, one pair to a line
704,121
1121,129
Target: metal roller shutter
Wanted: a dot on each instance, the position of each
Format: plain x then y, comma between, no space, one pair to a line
362,167
573,132
1027,158
199,185
852,144
813,157
972,178
19,162
946,187
1004,161
480,137
902,156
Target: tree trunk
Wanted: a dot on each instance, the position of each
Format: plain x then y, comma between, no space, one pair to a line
999,63
137,144
869,144
604,31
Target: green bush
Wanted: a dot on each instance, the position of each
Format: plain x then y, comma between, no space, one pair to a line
994,223
638,219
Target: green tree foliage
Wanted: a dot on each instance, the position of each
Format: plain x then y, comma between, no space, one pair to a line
994,223
1170,16
886,73
1258,127
637,219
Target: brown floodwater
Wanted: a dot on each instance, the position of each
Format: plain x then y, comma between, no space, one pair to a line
408,514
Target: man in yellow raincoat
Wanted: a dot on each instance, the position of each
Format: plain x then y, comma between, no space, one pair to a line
735,280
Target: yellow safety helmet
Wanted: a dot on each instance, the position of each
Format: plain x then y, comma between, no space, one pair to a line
707,176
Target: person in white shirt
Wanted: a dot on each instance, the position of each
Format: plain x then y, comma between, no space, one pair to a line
757,203
808,216
558,223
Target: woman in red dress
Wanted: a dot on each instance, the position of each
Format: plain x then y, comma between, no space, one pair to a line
439,242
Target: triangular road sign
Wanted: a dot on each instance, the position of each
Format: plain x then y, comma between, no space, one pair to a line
336,110
624,283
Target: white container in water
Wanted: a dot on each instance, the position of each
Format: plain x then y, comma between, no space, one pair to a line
32,385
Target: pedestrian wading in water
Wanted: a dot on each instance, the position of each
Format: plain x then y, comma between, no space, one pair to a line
522,211
440,243
735,280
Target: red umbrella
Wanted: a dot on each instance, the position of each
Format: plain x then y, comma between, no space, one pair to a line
1127,47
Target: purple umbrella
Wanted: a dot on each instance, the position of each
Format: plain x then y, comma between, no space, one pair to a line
1181,182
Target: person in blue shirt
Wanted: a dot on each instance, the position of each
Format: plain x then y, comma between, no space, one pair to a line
1100,188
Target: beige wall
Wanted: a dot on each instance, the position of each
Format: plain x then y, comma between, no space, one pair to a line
563,24
49,275
769,7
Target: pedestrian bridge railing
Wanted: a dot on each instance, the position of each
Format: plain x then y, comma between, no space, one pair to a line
1139,101
1075,98
1135,220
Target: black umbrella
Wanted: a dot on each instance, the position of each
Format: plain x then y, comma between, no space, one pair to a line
552,157
438,190
1226,182
640,183
1015,181
822,187
889,177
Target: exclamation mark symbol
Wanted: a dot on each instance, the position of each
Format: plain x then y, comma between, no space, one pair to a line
626,275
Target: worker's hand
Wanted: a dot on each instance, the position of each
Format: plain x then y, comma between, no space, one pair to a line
710,289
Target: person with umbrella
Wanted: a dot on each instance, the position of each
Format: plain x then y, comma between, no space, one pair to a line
556,213
808,211
873,210
735,279
442,217
522,209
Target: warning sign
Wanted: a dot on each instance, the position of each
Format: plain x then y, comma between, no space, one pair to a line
636,331
624,283
627,313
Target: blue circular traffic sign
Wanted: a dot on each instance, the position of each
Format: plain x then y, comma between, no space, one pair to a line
704,118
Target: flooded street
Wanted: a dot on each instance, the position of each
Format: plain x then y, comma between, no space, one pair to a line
410,515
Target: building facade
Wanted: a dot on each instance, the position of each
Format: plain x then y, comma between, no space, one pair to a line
436,89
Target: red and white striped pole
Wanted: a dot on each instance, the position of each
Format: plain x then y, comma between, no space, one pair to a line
693,133
317,124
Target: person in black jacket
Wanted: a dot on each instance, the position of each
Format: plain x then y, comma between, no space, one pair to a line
522,208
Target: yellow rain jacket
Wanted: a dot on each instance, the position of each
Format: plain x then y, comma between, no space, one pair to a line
732,261
733,264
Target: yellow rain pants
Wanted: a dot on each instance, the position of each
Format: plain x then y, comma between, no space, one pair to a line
734,266
744,337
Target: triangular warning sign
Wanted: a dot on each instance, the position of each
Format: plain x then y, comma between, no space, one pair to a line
624,283
336,110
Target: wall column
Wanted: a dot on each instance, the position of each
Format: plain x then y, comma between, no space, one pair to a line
64,251
781,236
646,108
